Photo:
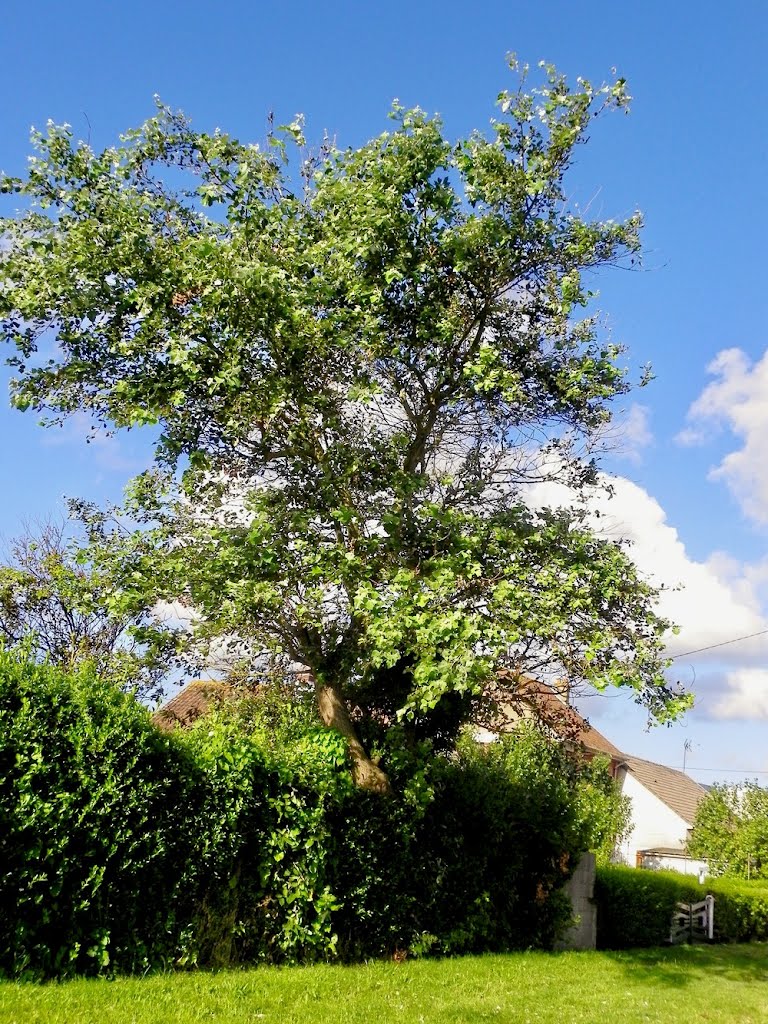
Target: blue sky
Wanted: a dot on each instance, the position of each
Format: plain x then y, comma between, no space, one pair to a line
692,156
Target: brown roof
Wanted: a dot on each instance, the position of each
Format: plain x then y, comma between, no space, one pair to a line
674,788
666,851
192,701
533,697
594,740
543,701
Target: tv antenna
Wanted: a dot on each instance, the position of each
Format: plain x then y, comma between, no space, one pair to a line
687,747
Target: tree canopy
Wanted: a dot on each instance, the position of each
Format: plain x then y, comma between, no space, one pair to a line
55,605
358,362
731,830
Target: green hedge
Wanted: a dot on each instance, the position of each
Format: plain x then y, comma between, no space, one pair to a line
635,906
741,910
95,806
471,855
242,840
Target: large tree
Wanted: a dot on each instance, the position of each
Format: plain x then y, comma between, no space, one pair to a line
360,361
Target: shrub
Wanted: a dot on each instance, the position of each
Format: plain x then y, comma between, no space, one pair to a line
94,803
635,906
503,834
243,839
268,848
472,857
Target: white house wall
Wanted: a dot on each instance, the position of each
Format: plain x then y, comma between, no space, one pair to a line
653,823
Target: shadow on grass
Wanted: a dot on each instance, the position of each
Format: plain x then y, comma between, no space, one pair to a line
682,966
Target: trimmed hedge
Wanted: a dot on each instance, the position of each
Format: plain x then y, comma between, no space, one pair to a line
741,910
635,906
95,814
243,840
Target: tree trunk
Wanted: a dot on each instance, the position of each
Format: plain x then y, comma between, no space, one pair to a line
335,714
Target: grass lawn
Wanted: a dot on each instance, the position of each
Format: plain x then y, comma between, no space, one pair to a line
721,984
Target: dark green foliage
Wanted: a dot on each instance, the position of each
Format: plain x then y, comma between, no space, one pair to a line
244,839
503,835
470,855
470,859
94,806
635,907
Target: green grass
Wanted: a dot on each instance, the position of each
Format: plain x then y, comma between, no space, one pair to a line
718,984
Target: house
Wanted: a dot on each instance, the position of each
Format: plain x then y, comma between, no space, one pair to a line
664,803
190,703
523,698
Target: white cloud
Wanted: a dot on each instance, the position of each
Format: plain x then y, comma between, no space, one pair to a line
712,602
737,400
746,696
175,614
633,433
716,602
627,434
636,430
709,605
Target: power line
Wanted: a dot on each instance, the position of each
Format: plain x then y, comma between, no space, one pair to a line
740,771
724,643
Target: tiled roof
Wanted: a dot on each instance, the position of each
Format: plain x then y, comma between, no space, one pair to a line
541,700
532,698
594,740
189,704
674,788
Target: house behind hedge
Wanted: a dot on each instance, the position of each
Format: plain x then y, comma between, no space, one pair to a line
664,803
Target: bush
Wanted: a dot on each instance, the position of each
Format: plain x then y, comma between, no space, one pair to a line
267,850
635,907
243,839
94,812
471,858
501,837
470,855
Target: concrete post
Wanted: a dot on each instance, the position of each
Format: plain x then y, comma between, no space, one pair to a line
581,889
